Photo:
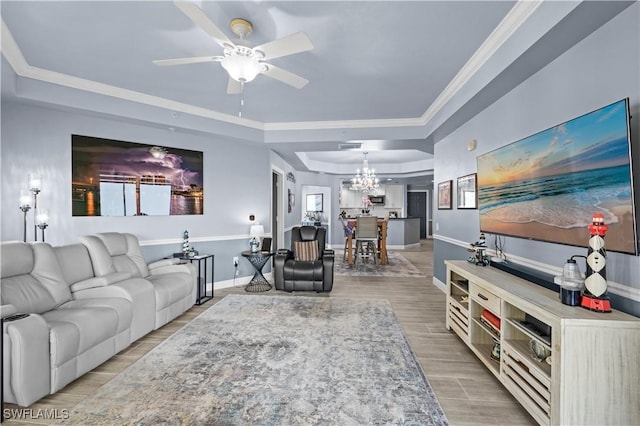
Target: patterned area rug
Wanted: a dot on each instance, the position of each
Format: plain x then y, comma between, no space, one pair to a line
398,266
274,360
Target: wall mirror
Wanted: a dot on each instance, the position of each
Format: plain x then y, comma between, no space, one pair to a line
314,202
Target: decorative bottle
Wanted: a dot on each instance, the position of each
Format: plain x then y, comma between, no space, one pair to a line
186,249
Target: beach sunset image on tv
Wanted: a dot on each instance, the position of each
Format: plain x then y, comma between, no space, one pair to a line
548,186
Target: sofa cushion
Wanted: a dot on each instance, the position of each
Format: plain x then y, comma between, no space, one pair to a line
123,263
79,325
171,287
125,250
304,271
17,259
306,251
115,252
75,262
39,290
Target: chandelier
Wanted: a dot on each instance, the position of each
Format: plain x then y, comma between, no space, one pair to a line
365,181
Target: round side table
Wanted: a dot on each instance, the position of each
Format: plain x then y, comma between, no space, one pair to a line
258,259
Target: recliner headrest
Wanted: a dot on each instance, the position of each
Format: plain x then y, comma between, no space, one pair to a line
308,233
115,242
17,259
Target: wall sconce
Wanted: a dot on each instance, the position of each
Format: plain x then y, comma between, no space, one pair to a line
25,206
252,217
471,145
42,221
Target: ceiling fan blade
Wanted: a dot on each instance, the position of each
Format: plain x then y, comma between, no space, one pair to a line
202,20
233,87
184,61
294,43
285,76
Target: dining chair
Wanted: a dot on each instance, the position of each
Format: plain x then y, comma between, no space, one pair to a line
367,237
347,231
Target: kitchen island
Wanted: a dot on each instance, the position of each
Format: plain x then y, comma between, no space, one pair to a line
403,233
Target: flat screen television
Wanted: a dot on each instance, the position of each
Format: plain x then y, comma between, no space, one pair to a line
547,186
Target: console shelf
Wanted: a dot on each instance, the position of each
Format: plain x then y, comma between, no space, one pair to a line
564,364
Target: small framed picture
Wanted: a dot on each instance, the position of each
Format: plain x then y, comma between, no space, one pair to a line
467,192
291,201
444,195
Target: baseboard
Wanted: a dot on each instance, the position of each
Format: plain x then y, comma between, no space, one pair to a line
439,284
404,247
240,281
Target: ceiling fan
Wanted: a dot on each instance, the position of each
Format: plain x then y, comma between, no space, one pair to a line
242,61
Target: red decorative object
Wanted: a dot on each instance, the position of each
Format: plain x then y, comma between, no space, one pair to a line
595,294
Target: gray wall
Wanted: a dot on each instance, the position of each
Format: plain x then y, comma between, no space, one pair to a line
599,70
237,178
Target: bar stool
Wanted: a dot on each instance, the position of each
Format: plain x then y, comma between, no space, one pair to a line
347,231
367,237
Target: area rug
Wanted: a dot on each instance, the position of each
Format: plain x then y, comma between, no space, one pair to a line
274,360
397,266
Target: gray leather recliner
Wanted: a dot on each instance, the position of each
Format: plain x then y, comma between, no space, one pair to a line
62,338
174,283
78,272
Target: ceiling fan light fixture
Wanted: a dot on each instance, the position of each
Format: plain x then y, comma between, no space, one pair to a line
242,60
241,68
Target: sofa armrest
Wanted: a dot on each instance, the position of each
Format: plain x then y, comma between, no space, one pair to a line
102,281
187,268
6,310
26,346
165,262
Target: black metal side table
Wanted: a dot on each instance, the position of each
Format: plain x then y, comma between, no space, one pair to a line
203,294
258,259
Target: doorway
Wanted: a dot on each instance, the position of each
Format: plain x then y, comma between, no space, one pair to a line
277,230
417,207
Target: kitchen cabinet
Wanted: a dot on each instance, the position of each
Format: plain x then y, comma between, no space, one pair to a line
394,196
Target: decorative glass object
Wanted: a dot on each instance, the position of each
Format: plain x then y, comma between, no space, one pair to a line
255,232
186,248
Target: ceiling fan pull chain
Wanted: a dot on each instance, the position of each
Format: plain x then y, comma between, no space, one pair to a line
241,99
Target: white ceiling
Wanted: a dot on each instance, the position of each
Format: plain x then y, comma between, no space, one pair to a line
395,76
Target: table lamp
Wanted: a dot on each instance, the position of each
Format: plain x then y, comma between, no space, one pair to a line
255,232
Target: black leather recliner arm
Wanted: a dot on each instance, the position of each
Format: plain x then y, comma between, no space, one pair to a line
328,258
280,259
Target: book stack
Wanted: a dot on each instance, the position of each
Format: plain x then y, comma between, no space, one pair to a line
491,321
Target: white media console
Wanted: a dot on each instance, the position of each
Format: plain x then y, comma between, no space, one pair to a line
593,373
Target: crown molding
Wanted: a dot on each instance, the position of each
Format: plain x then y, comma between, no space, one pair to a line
512,21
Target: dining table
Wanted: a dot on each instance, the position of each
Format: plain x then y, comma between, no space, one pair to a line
382,240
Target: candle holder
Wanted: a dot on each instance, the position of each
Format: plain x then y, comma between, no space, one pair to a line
41,222
25,206
35,186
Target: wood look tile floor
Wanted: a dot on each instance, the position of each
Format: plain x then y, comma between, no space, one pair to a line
467,391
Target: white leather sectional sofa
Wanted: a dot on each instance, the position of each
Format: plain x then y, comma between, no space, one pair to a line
86,302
